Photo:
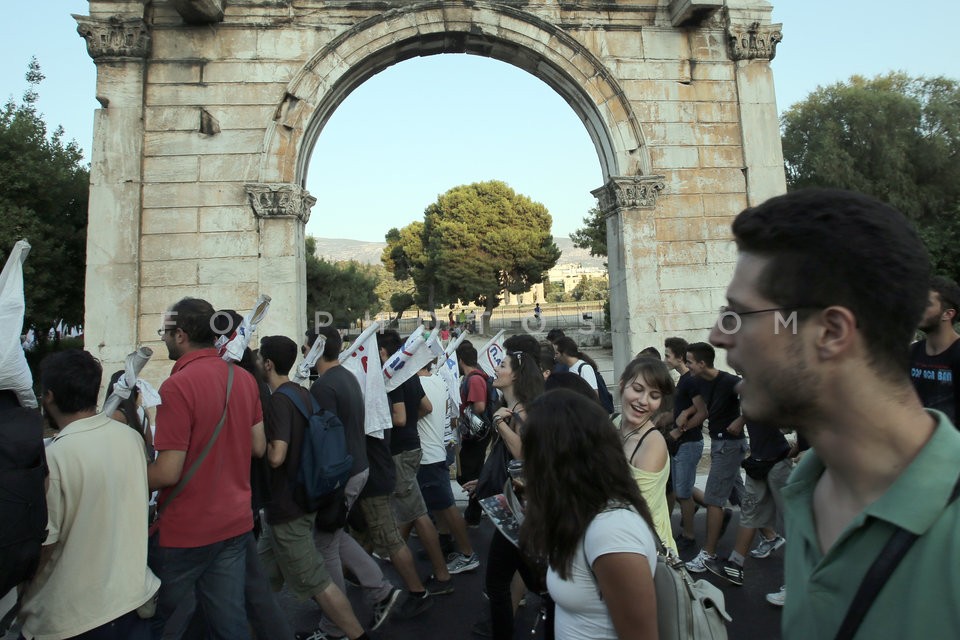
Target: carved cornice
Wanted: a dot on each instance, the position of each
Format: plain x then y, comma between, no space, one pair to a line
280,201
637,192
754,41
114,37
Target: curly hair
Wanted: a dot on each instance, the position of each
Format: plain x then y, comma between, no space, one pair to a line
575,468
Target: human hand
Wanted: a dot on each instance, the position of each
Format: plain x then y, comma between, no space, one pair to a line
470,486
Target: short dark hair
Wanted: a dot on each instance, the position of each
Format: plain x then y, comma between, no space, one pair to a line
702,352
652,370
677,346
390,341
949,294
555,334
74,378
311,336
573,382
548,357
333,345
650,352
467,353
830,247
194,316
281,351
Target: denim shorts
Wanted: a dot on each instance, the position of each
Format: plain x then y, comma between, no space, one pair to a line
407,501
725,458
684,468
434,480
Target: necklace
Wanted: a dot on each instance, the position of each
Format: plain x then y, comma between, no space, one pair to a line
630,433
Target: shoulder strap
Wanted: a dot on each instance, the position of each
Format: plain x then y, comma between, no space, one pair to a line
640,442
879,572
580,368
298,401
185,478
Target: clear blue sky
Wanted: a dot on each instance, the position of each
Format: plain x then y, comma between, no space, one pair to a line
428,124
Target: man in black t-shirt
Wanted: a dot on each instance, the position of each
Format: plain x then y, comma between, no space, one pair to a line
717,390
935,360
286,547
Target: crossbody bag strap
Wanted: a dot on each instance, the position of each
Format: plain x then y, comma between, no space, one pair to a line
185,478
880,571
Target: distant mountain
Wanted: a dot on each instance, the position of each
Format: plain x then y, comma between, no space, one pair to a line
337,249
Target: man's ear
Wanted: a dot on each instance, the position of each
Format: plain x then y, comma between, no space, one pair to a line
837,332
953,315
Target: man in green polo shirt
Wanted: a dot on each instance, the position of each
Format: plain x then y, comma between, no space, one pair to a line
828,289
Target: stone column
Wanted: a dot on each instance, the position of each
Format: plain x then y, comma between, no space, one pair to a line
282,211
635,305
752,45
119,46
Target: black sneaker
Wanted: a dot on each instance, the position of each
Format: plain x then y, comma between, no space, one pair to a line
725,569
413,605
381,610
438,588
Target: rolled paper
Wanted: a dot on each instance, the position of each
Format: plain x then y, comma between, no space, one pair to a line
309,361
132,367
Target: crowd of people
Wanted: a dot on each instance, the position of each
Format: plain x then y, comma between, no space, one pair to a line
186,525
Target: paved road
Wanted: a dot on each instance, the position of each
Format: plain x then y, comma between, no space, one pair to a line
452,616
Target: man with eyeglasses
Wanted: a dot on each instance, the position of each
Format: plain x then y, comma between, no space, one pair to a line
882,470
717,396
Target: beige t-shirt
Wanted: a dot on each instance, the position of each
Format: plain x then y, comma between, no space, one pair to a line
97,508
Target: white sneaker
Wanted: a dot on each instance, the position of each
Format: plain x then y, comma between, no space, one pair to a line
777,599
765,547
697,564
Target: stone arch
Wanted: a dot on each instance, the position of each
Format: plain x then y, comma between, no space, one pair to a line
429,28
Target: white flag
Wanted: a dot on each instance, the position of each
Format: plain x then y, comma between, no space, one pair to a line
492,354
231,347
415,353
133,365
302,374
452,347
14,371
363,361
449,370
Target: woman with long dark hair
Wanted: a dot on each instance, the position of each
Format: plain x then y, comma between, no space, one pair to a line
519,380
585,515
643,386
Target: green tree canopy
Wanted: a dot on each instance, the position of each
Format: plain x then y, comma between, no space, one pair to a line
591,289
593,234
345,290
43,198
894,137
475,241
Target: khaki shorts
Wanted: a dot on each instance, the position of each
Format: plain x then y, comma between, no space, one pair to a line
381,530
762,500
288,554
408,502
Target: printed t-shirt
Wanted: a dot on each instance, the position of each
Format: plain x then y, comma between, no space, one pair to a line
581,614
338,391
287,424
936,377
432,425
723,403
407,438
215,504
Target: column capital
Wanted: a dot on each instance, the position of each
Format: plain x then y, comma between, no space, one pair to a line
114,37
753,41
280,200
623,192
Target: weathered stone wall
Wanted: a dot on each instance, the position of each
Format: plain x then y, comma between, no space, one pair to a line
203,142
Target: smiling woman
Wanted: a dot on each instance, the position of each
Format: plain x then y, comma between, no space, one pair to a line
643,385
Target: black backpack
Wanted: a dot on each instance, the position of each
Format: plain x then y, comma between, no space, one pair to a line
23,499
325,462
606,398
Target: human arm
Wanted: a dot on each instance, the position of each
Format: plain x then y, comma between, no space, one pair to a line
259,440
165,471
276,453
425,407
736,427
503,421
626,583
398,414
701,413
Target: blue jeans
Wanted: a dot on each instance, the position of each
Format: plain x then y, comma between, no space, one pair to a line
684,468
216,573
127,627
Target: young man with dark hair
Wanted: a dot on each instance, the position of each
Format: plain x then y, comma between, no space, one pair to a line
97,515
828,289
409,403
474,396
203,530
554,336
287,546
935,360
337,391
688,436
717,398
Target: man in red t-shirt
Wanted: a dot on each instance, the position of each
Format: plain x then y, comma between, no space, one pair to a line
473,394
203,529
